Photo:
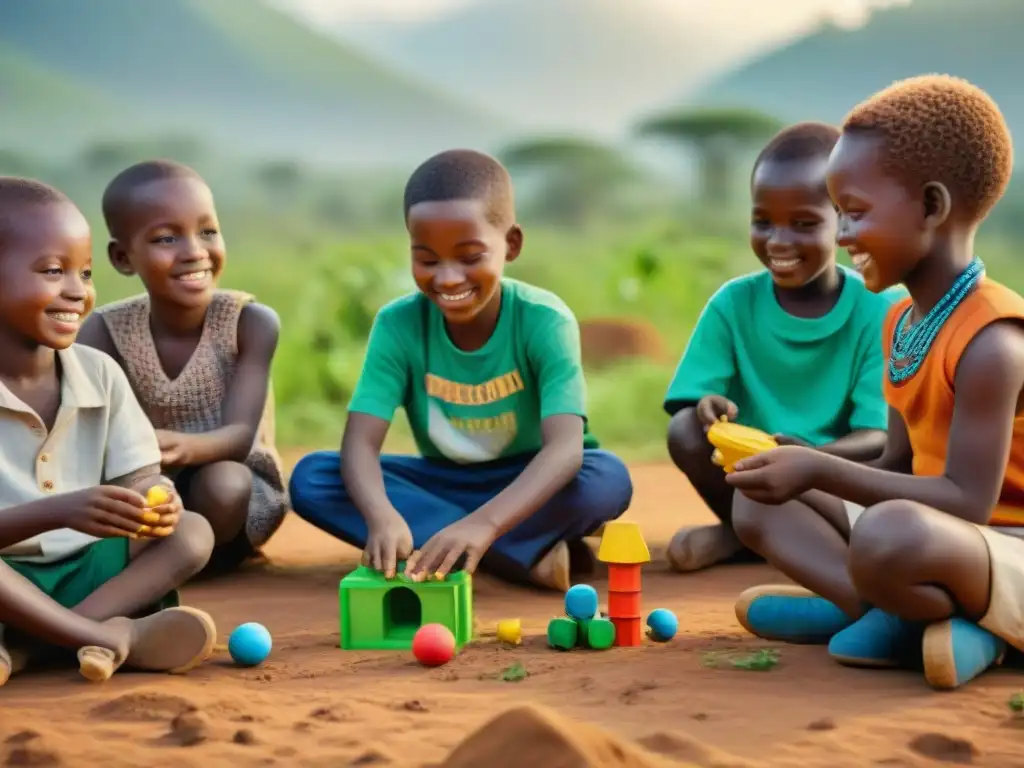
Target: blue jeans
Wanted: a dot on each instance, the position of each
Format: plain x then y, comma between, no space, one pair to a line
432,494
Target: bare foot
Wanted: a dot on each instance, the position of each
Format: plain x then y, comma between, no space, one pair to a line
553,569
11,662
699,547
174,640
6,666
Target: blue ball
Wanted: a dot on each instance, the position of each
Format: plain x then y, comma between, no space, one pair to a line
250,644
663,624
581,602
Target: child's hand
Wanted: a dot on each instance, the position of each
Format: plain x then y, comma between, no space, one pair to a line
711,408
778,475
163,502
175,450
388,542
468,536
106,511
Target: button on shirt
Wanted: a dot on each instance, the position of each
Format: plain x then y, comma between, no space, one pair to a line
100,433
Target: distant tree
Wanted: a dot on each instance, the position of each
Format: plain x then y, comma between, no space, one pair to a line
107,157
281,179
111,156
716,135
184,149
578,176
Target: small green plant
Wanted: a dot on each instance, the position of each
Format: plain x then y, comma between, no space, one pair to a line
1016,703
514,673
761,660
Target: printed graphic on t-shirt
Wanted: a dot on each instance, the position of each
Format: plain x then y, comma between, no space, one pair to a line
459,434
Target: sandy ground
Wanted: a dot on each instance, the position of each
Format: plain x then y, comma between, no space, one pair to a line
313,704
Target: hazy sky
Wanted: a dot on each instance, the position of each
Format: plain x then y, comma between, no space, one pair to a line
749,18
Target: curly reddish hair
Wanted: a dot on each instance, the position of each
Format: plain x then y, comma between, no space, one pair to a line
941,128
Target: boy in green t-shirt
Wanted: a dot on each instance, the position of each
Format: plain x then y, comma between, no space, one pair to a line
488,371
792,349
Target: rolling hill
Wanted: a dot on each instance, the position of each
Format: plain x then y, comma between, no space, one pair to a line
821,76
577,65
28,95
233,72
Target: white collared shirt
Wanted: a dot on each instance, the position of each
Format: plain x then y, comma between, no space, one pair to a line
100,433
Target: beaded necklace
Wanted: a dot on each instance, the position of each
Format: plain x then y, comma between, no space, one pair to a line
909,346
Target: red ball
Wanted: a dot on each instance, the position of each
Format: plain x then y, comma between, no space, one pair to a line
433,645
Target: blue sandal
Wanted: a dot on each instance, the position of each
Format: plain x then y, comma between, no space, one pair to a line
789,614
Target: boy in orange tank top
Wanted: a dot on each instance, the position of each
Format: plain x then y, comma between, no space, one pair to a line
918,557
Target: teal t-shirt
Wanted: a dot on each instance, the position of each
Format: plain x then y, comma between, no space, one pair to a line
816,379
471,407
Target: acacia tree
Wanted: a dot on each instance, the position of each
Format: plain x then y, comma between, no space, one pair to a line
577,176
716,136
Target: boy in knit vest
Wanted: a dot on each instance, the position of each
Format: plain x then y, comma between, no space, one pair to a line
198,358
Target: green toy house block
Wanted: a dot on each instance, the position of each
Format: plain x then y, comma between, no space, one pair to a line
383,614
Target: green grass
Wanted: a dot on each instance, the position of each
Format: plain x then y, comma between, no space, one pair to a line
326,291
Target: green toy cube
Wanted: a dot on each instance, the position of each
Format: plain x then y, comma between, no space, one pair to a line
383,614
597,633
563,633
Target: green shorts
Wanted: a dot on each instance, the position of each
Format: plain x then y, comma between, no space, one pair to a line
71,580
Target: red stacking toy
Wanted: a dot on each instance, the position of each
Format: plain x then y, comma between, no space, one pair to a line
624,550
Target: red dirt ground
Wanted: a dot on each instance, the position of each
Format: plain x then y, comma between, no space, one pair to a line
312,704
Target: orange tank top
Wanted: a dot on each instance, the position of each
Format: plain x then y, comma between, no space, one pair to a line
926,399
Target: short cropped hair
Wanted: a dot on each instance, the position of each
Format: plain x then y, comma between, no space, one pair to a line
464,174
17,195
118,194
802,141
941,128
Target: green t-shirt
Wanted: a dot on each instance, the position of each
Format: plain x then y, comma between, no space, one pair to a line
471,407
816,379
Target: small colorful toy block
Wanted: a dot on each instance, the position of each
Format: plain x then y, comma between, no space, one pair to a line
510,631
378,613
583,625
624,550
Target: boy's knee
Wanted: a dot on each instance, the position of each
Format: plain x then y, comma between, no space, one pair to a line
687,442
224,485
604,489
308,475
885,539
193,541
748,518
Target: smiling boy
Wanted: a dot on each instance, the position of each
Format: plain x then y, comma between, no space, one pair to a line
916,559
791,349
488,371
198,357
76,456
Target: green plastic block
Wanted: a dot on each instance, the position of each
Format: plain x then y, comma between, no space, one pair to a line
598,634
383,614
562,633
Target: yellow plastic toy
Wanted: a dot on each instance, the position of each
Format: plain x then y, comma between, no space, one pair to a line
734,442
510,631
156,496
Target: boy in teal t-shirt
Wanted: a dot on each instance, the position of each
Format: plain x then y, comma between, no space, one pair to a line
793,349
488,371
